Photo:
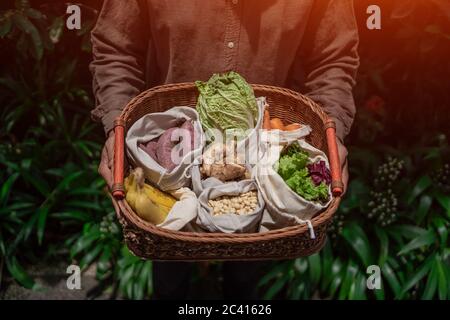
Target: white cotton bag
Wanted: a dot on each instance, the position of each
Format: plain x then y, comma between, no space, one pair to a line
284,206
152,126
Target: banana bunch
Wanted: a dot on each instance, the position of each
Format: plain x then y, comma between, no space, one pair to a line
148,202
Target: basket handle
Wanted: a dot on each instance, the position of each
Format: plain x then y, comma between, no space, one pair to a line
118,190
337,187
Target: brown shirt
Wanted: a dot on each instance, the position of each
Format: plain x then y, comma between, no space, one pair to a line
305,45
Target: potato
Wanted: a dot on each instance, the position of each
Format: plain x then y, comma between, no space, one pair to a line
150,149
187,125
164,148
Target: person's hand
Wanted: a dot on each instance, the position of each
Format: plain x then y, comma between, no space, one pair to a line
107,160
344,164
106,167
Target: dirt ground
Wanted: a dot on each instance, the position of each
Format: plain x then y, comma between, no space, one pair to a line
52,279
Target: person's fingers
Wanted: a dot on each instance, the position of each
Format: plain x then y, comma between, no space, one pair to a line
343,153
109,145
104,168
345,177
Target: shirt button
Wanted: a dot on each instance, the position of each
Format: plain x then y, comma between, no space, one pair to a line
234,1
231,45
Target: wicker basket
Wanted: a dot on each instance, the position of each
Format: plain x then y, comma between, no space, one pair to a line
150,242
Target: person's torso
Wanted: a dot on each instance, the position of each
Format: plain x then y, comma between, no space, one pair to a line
192,39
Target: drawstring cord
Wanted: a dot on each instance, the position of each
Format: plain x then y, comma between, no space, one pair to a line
312,234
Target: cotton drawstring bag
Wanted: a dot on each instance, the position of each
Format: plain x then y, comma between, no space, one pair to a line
152,126
229,222
184,211
200,183
284,206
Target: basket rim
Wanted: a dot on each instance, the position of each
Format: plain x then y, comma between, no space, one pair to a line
320,219
323,217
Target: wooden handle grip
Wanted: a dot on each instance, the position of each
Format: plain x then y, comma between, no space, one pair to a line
118,190
337,187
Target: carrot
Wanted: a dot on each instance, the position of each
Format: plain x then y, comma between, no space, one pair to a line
292,127
266,120
276,123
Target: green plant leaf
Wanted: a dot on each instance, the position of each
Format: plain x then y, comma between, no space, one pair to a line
442,229
298,289
337,275
89,257
127,259
300,265
65,183
24,24
421,241
444,201
314,268
421,185
19,274
138,290
126,280
272,274
407,231
417,276
138,283
443,281
38,182
145,277
327,263
357,240
392,280
83,191
379,293
42,214
6,189
83,205
26,231
358,288
71,215
357,191
423,208
103,264
349,279
431,285
384,245
84,242
275,288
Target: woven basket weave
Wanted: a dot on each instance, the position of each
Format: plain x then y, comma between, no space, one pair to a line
150,242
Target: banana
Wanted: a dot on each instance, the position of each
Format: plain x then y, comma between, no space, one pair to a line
148,210
159,197
130,189
148,202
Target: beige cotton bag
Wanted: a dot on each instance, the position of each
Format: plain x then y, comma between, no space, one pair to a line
152,126
285,207
229,223
184,211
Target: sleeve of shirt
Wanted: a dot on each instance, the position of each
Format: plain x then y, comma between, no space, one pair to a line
119,45
330,59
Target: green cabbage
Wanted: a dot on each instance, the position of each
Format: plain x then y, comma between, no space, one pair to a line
226,102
